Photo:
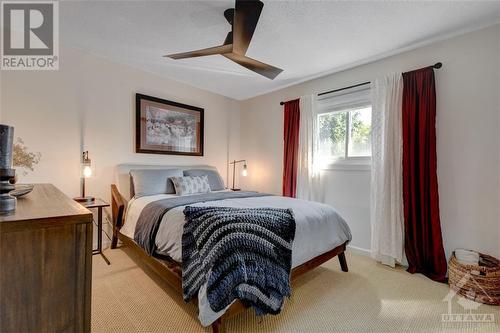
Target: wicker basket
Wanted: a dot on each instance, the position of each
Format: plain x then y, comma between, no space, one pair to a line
480,283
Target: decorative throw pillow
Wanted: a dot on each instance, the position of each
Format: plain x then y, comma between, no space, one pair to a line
190,185
214,179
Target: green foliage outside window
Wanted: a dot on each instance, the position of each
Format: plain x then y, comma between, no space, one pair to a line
333,127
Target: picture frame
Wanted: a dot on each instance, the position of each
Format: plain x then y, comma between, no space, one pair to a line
167,127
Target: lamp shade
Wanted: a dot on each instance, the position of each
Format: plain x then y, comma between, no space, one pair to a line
86,167
244,172
87,171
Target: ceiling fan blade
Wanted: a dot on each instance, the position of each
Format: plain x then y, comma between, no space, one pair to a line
203,52
256,66
246,16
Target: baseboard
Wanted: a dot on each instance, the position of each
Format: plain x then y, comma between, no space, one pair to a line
359,250
354,249
106,242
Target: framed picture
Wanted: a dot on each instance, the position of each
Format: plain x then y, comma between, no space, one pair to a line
166,127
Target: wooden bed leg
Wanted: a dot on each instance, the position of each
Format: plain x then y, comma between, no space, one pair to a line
218,326
343,262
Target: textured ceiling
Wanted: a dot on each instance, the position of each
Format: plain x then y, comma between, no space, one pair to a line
305,38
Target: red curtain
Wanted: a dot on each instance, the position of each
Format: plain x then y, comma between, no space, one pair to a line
423,240
291,147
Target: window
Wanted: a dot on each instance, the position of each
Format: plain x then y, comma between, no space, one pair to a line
344,129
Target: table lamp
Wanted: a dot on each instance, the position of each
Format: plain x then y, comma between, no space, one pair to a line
244,172
86,172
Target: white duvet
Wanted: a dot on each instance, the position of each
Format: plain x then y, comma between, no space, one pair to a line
319,228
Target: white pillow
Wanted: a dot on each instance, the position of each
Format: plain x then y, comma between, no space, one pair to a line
191,184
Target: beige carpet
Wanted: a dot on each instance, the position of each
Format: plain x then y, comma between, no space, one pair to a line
369,298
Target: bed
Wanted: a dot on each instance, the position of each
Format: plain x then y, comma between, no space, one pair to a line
321,233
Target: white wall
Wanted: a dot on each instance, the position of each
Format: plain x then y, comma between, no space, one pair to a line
90,103
468,139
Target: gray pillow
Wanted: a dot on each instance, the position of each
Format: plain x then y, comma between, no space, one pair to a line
191,185
153,181
214,179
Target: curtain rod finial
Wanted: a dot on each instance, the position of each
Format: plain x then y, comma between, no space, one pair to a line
282,103
438,65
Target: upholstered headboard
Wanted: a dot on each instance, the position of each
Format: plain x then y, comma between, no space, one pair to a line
122,176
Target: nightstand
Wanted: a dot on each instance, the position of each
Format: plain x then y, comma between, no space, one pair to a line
99,204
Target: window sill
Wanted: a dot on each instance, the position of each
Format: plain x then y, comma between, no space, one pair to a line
347,166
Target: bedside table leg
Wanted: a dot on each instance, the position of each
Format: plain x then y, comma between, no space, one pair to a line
99,229
99,235
105,259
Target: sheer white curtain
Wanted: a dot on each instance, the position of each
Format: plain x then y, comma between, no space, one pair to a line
308,183
386,170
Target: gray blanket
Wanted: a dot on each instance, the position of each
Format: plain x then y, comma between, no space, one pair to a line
151,216
240,253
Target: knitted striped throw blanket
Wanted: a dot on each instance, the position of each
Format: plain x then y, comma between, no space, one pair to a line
241,253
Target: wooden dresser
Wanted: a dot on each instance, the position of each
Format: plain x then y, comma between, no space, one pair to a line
46,264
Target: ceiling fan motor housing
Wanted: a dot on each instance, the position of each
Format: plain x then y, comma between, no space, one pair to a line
229,15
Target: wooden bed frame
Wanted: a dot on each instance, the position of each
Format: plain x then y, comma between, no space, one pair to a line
170,271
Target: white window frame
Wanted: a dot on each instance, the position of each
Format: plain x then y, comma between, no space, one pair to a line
345,101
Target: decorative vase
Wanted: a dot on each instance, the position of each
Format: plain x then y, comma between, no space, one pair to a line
7,173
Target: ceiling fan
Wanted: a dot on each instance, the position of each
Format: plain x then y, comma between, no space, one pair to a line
243,20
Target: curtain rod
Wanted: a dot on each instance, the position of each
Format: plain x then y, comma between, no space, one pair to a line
437,65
